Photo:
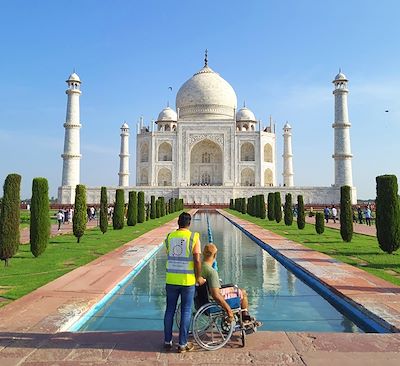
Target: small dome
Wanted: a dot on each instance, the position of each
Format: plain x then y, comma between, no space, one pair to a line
74,77
245,114
167,114
340,76
287,126
125,125
206,96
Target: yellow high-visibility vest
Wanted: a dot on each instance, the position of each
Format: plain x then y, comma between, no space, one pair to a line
180,266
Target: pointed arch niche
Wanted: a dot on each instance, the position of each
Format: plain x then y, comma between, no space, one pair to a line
206,164
268,155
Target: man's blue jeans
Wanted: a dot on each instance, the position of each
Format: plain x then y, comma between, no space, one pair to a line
187,294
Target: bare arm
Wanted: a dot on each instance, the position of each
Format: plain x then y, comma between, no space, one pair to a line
197,265
216,294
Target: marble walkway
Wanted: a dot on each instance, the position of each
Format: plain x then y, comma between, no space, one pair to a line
32,329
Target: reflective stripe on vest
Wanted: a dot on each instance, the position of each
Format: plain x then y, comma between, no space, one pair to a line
180,266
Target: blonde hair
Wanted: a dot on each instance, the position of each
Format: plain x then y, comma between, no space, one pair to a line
209,250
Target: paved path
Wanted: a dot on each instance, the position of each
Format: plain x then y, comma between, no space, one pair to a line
357,228
30,328
65,229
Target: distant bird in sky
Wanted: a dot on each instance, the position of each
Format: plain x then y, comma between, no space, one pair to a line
170,88
387,110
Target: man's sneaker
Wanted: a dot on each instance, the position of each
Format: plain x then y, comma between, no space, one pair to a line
189,347
167,346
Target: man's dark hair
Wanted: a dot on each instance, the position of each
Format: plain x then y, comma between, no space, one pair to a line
184,220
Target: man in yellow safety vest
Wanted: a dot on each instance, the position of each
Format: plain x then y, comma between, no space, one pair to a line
183,271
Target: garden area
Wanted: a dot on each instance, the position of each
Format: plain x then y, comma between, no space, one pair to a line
26,273
363,251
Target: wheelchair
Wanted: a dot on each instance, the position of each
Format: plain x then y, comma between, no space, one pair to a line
209,325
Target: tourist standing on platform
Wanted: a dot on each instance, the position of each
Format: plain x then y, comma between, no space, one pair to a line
326,213
359,214
183,270
334,214
60,218
367,214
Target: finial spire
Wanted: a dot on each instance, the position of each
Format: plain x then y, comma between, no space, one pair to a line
167,103
206,58
244,104
340,70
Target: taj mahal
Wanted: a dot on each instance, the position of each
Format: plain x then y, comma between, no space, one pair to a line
208,151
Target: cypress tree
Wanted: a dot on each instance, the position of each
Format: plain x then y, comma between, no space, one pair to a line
387,213
277,207
141,209
301,217
346,214
231,203
103,210
257,206
162,206
147,208
10,216
132,209
319,223
288,210
158,208
244,206
80,216
271,206
152,207
119,210
262,206
40,218
176,204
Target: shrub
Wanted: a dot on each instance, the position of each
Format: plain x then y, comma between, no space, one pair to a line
319,223
158,208
346,214
262,206
80,216
277,207
9,219
301,218
231,203
152,207
244,206
119,210
162,206
40,218
387,213
132,209
147,208
271,206
103,210
141,209
288,210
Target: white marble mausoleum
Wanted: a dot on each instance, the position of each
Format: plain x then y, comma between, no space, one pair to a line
207,150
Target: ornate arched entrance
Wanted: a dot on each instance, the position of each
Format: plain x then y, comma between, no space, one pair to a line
206,164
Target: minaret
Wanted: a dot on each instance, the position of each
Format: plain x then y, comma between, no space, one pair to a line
72,125
342,150
287,156
124,157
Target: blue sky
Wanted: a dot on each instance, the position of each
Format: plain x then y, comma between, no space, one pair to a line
279,56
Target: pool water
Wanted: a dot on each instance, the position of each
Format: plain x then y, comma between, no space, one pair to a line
277,298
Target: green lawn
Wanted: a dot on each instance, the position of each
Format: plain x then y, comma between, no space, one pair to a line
363,251
26,273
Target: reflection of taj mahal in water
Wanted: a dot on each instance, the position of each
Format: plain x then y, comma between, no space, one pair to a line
207,151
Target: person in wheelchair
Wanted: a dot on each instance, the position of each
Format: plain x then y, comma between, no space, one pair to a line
224,295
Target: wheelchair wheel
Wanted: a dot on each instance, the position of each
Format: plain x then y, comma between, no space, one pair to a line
243,337
210,329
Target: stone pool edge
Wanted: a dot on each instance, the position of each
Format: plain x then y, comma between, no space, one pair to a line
285,251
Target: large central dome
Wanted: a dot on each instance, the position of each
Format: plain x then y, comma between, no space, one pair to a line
206,96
